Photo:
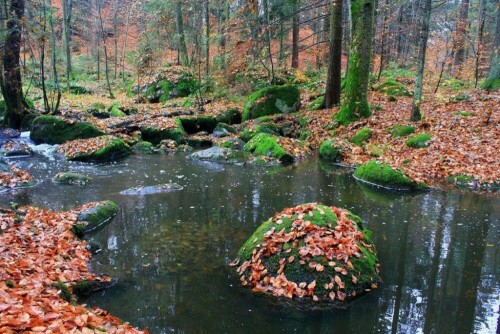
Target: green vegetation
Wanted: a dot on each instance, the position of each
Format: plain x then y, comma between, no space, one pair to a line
155,136
384,175
401,130
71,178
392,88
317,104
94,217
65,294
272,100
267,145
375,150
53,130
419,141
491,84
463,114
232,116
114,149
361,137
329,151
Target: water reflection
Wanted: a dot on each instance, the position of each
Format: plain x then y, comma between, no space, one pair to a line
439,251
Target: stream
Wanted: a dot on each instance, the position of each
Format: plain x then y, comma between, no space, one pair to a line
439,251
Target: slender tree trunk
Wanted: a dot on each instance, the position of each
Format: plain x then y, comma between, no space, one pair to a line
332,95
348,35
54,107
480,33
460,37
269,39
207,38
355,104
67,12
12,88
43,23
180,32
295,35
493,80
115,36
106,67
422,47
124,50
382,42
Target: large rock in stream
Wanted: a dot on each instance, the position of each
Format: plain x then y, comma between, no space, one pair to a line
151,190
100,149
54,130
272,100
92,216
382,175
312,253
221,154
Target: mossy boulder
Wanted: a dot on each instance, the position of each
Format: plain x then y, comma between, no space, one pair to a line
155,135
231,116
86,288
267,145
234,143
393,88
419,141
54,130
198,123
362,137
401,130
92,216
310,252
71,178
383,175
144,146
272,100
329,151
100,149
317,104
266,127
223,130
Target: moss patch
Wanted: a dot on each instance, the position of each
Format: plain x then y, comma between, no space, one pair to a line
71,178
54,130
329,151
200,123
155,136
384,175
401,130
266,145
419,141
392,88
65,294
362,136
491,84
232,116
463,114
111,149
317,104
272,100
93,217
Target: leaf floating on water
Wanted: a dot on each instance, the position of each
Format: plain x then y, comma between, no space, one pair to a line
332,295
354,279
291,258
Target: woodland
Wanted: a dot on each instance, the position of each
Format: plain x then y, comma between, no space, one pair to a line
404,93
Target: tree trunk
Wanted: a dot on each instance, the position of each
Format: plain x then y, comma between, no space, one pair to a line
295,35
460,36
355,104
106,66
382,37
332,95
493,80
67,11
180,32
207,38
480,34
54,107
422,47
12,88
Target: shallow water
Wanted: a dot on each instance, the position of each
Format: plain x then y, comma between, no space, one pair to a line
439,251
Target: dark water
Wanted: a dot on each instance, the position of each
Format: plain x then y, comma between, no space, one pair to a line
439,251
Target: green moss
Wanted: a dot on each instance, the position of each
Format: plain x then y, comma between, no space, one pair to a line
200,123
329,151
401,130
491,84
462,97
71,178
98,106
272,100
232,116
115,112
86,288
10,284
392,88
419,141
115,149
54,130
463,114
375,150
65,294
267,145
361,137
317,104
155,136
384,175
143,146
94,217
461,181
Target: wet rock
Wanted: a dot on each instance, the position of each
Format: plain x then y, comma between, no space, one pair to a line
234,143
312,253
55,130
223,130
151,190
220,154
93,216
71,178
16,149
8,134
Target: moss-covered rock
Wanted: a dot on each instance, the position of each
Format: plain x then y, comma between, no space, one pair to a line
234,143
272,100
156,135
152,190
71,178
54,130
419,141
362,137
401,130
99,149
232,116
392,87
116,112
383,175
198,123
86,288
317,104
223,130
267,145
92,216
375,150
329,151
310,252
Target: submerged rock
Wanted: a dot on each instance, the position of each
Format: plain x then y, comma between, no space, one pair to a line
16,149
151,190
94,215
383,175
310,252
272,100
71,178
54,130
100,149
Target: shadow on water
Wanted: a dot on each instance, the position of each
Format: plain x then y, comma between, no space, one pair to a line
169,251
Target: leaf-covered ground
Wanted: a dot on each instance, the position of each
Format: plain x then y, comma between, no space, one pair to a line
39,251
